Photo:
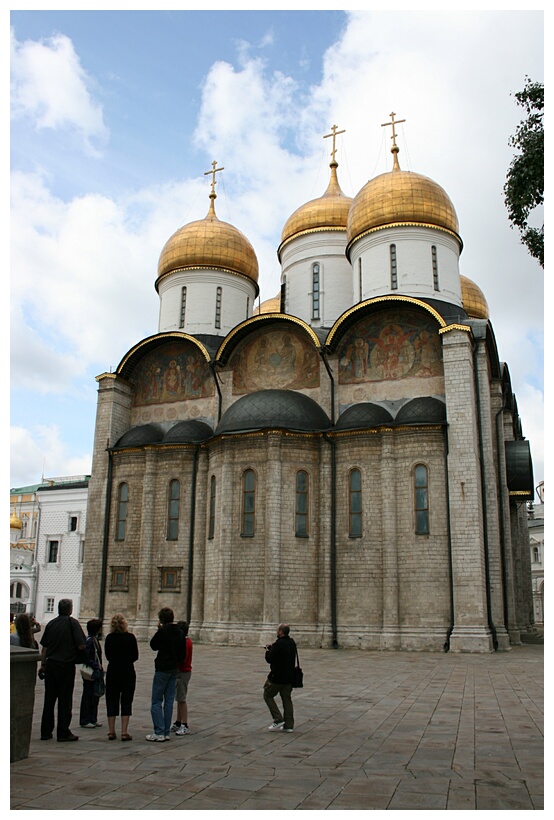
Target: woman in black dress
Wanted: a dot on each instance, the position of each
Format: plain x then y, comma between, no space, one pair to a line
121,651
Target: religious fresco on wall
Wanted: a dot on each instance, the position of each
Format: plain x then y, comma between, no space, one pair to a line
275,359
173,372
390,345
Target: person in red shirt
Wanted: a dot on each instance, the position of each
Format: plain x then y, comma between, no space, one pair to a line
181,727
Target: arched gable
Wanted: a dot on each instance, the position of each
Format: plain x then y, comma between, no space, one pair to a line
272,352
168,367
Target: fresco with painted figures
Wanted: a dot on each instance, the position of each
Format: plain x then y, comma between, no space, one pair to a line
389,346
173,372
275,359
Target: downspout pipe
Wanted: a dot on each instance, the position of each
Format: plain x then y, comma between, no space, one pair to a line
499,444
323,355
220,399
491,625
191,529
449,529
105,540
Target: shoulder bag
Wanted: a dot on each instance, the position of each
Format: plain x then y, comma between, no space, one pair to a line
298,679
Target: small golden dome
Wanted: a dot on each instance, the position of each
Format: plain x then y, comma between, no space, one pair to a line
473,299
400,197
209,243
328,212
15,522
270,305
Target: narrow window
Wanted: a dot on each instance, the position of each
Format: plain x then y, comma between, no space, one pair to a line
81,552
536,555
183,306
49,605
53,552
435,267
301,511
315,291
122,496
213,487
218,307
247,306
355,504
248,502
393,269
119,579
421,499
282,306
360,278
73,523
173,510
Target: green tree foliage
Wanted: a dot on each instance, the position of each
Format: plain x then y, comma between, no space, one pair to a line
524,188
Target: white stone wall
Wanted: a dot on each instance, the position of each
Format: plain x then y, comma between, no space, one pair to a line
63,578
335,276
237,301
413,263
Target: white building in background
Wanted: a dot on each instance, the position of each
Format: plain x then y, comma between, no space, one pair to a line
47,536
536,545
23,532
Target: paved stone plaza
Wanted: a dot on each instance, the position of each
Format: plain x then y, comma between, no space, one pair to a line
374,730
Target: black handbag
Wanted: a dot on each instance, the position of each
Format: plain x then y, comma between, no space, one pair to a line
298,679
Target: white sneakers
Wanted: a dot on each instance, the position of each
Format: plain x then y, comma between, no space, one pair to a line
182,730
157,738
276,727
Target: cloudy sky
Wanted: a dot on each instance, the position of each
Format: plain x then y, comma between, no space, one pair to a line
115,117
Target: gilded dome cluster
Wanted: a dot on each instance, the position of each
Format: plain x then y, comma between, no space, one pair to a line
400,198
209,243
473,299
327,212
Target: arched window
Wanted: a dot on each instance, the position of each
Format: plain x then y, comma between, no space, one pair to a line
218,297
122,498
183,306
174,496
393,268
315,290
213,488
248,521
435,267
301,510
355,503
421,496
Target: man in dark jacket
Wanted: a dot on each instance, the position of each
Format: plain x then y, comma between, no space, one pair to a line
169,642
281,656
63,645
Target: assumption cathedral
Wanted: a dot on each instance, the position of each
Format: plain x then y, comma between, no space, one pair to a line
346,457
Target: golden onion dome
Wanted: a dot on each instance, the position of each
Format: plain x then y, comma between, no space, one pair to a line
328,212
270,305
400,198
209,243
473,299
15,522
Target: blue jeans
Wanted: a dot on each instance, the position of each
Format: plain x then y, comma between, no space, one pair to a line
163,697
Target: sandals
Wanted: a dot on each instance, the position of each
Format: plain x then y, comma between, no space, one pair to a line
126,737
112,736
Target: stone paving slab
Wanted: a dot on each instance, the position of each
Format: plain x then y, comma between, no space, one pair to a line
373,731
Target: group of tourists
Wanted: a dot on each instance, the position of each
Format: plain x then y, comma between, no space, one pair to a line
65,646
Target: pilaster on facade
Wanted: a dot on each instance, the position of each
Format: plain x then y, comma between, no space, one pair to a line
143,615
471,619
390,635
272,574
201,517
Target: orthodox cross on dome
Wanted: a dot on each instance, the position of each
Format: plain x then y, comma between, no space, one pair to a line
213,194
395,149
333,134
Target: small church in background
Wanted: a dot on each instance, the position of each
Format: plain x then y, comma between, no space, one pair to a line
347,457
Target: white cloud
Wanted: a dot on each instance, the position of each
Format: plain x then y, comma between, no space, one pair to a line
43,447
49,85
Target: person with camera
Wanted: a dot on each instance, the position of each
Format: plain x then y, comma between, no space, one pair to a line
63,644
281,656
170,643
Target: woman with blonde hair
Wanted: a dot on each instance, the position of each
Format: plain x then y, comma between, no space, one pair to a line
121,651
